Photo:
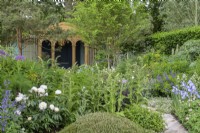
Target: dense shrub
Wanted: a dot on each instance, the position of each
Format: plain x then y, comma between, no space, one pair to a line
166,41
195,67
145,118
162,72
190,49
103,123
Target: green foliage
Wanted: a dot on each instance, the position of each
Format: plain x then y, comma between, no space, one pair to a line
174,10
166,41
110,25
103,123
145,118
188,114
190,49
195,67
162,71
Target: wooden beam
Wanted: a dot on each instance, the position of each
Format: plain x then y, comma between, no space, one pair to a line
86,54
73,53
39,47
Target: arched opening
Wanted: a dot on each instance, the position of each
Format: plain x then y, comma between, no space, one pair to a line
80,53
46,50
63,54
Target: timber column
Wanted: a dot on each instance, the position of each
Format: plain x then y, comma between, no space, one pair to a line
73,52
86,54
39,49
53,52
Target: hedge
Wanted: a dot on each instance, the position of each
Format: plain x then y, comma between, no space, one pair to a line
166,41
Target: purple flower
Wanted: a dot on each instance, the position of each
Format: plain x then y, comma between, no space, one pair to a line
19,57
166,76
159,78
184,94
198,96
175,90
2,53
6,83
172,74
192,87
124,81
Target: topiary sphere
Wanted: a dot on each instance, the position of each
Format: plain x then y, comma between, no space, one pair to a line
103,123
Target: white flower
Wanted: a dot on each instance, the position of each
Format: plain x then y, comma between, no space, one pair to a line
29,118
21,97
43,106
132,77
18,99
46,94
18,112
58,92
187,118
43,86
41,90
52,107
35,89
56,109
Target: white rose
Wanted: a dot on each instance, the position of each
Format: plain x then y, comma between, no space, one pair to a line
35,89
29,118
21,97
58,92
56,109
43,106
51,107
43,86
18,112
18,99
41,90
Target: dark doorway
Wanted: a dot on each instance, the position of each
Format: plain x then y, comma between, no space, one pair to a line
46,50
80,53
63,54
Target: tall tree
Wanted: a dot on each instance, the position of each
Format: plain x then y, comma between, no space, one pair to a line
109,24
23,18
180,14
154,7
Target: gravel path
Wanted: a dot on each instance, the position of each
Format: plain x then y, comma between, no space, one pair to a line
172,125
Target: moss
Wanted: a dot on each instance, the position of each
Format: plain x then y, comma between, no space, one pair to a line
103,123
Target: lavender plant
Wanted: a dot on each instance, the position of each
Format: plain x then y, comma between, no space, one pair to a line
187,90
10,114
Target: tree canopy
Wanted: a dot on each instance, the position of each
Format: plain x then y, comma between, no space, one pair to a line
22,19
110,24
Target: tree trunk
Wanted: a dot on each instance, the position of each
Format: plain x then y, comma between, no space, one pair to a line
19,40
196,12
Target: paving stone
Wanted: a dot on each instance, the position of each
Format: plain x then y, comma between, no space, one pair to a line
172,125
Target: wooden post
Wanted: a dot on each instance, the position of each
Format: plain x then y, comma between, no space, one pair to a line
93,55
86,54
39,48
73,53
53,52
